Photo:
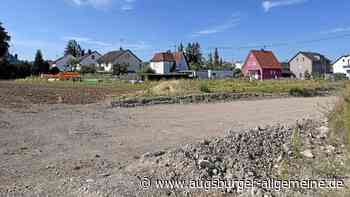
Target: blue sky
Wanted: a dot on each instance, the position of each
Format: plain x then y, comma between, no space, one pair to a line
148,26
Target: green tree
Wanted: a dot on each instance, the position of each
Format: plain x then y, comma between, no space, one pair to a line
88,69
4,42
237,73
197,55
216,58
39,65
189,53
73,48
120,69
180,48
73,63
210,60
54,70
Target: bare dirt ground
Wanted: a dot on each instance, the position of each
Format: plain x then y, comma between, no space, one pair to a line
43,145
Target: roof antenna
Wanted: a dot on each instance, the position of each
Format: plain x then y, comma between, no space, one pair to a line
121,43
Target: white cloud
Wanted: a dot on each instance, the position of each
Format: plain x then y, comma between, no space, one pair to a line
86,41
336,30
135,45
232,22
125,5
269,4
94,3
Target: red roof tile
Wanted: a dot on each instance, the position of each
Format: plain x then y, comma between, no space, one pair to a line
179,56
163,57
266,59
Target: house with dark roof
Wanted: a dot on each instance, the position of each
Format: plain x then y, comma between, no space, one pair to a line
63,63
261,65
164,63
90,59
314,64
122,57
181,61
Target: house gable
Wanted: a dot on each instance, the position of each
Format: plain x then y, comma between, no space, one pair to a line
181,61
90,59
251,63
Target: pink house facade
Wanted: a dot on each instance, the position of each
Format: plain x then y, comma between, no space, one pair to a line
262,65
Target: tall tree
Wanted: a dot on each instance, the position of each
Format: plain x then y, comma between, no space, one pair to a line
73,48
189,53
197,55
210,59
4,41
40,66
216,57
73,63
180,48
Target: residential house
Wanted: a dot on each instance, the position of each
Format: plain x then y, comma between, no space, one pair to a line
63,63
90,59
165,63
181,61
342,65
262,64
312,63
122,57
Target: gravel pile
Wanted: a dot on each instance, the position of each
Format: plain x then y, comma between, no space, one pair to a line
252,154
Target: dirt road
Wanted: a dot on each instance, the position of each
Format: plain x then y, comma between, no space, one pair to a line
46,144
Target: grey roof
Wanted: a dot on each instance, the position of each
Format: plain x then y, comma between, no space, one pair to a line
315,57
340,58
87,55
113,56
63,61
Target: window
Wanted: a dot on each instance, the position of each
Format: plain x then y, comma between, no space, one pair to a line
93,57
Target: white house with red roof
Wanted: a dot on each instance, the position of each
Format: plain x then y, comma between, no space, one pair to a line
165,63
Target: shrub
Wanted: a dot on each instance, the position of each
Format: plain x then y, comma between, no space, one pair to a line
14,71
88,69
54,71
147,69
307,75
204,87
303,92
120,69
340,76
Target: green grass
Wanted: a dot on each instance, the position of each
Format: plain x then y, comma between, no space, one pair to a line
187,87
340,118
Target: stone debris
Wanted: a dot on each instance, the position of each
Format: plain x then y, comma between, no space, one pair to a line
307,153
251,154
